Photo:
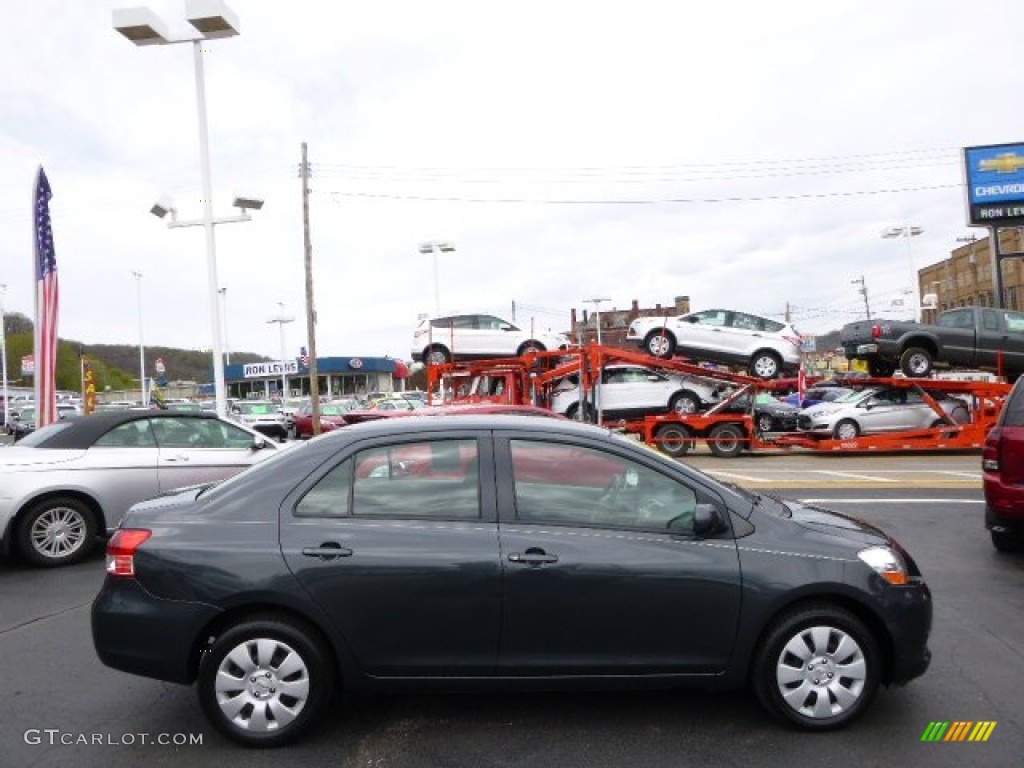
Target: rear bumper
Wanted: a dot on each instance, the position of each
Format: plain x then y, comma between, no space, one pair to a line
1004,504
135,632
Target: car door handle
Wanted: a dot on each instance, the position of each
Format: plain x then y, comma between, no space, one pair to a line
328,550
532,557
179,457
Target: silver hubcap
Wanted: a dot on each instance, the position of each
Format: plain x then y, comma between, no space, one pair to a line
846,432
821,672
262,685
436,357
685,405
658,345
765,367
58,532
918,364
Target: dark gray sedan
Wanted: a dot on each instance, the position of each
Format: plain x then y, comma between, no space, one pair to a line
468,551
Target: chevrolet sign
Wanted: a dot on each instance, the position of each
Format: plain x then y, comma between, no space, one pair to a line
994,177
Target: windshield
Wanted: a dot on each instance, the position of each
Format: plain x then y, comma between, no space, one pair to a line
257,408
854,395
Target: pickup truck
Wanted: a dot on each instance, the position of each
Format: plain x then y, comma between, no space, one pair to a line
972,337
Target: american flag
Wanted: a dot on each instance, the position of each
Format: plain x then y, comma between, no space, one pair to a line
303,357
46,307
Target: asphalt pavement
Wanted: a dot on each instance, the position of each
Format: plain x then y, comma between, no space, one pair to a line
60,706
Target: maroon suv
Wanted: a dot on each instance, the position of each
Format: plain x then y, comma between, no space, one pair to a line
1002,464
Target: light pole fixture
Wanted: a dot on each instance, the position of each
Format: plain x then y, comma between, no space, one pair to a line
281,319
435,247
3,353
597,384
907,232
211,19
142,348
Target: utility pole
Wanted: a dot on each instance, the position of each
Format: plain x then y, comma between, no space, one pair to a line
314,386
863,290
787,312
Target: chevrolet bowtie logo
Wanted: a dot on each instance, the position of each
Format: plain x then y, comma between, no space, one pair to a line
1008,162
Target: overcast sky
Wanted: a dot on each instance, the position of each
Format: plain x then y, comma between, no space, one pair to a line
746,154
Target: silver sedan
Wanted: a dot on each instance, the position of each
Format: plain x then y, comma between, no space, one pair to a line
64,484
880,409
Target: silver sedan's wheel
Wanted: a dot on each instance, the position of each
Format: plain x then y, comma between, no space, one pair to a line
846,429
765,365
57,531
818,667
265,681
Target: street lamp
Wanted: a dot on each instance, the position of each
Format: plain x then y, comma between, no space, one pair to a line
142,348
281,319
3,352
435,247
211,19
224,307
907,232
597,384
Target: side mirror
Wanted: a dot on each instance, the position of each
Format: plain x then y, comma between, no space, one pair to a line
259,443
707,520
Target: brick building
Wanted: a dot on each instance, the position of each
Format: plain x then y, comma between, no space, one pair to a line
615,322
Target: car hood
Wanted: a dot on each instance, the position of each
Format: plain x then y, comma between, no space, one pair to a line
822,410
15,457
825,520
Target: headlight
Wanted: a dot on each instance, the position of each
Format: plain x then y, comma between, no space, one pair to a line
886,563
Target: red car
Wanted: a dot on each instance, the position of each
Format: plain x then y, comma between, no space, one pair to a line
1002,464
332,416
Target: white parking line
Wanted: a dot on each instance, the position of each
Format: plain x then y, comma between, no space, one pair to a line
747,478
855,476
893,501
971,475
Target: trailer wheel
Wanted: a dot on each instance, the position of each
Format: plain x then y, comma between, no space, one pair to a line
916,362
726,440
674,439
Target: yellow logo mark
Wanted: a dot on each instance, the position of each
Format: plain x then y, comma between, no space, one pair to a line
1008,162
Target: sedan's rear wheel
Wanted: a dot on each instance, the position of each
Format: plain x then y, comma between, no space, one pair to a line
265,681
817,668
765,365
57,531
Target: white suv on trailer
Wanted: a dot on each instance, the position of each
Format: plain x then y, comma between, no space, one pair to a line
477,337
766,348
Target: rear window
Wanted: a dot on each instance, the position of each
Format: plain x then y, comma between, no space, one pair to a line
1013,410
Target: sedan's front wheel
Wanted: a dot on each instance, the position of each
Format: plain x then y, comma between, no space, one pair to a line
265,681
817,668
57,531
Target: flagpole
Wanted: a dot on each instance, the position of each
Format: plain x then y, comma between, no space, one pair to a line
36,335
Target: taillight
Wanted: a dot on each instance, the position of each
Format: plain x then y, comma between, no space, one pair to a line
876,331
121,550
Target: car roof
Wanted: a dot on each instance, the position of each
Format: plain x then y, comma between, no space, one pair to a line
83,432
463,421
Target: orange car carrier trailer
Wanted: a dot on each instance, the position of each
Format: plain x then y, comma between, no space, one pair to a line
528,380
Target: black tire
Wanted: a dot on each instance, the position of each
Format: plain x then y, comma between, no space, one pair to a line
847,429
916,362
726,440
304,691
881,369
57,531
660,343
1006,541
765,422
684,402
436,354
530,346
589,416
816,658
674,439
765,365
947,433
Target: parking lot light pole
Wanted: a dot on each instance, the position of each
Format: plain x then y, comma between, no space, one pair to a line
907,232
211,19
435,247
224,307
142,347
281,319
3,353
